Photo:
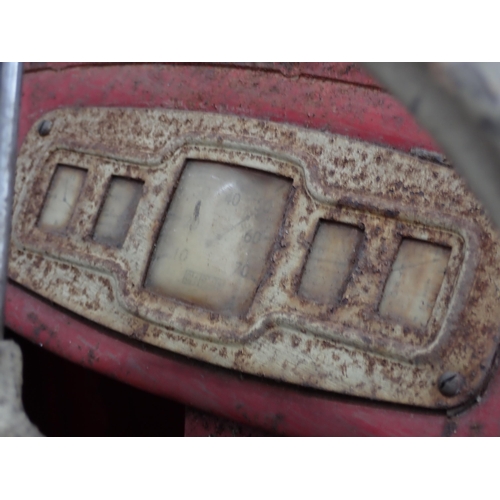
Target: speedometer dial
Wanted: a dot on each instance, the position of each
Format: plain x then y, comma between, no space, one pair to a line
218,232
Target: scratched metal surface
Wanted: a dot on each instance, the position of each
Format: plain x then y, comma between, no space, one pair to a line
345,346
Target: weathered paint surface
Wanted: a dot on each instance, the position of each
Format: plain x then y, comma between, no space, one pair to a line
275,407
343,72
199,424
363,112
346,347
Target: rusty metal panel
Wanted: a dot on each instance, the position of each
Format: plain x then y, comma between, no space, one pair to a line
359,340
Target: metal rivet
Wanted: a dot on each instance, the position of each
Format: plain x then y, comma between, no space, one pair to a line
45,128
450,383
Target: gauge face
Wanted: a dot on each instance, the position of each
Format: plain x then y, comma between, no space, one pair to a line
330,262
414,282
118,211
61,199
217,236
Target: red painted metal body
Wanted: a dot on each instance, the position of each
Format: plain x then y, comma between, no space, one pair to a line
337,98
200,424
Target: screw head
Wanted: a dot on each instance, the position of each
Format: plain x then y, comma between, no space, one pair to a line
450,383
45,128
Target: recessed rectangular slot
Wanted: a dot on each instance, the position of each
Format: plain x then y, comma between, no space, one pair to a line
61,198
414,282
330,262
219,230
118,211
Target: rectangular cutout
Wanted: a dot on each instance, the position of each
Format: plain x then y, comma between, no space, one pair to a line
330,262
118,210
219,230
414,282
61,199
